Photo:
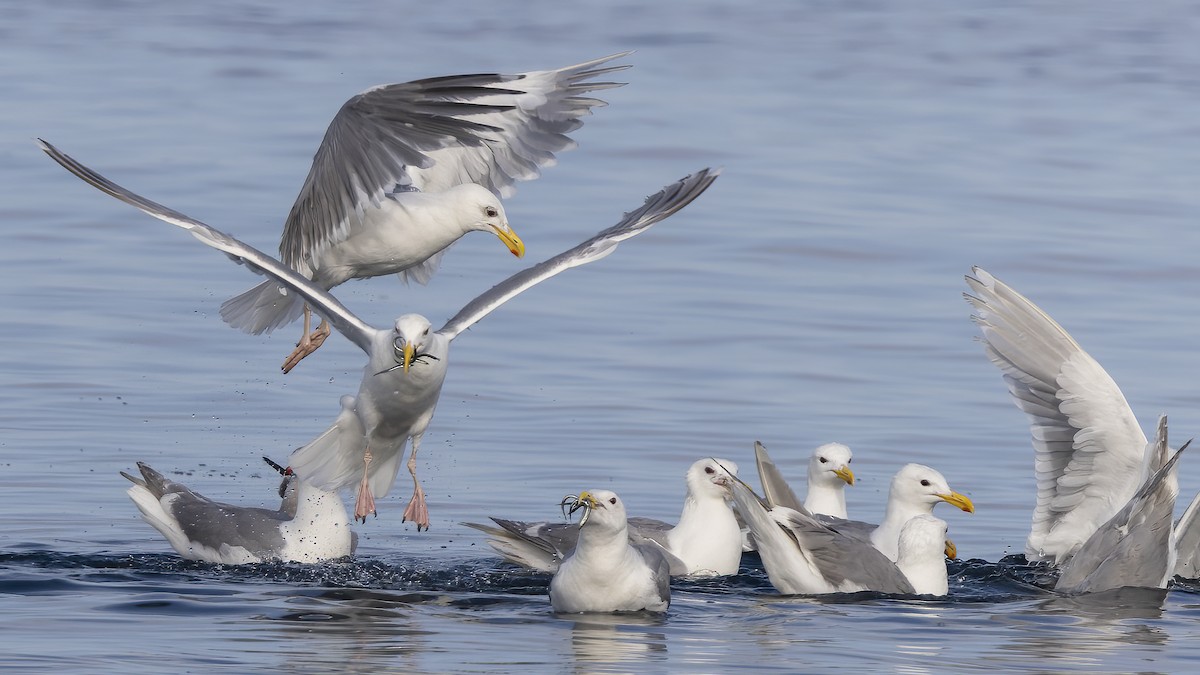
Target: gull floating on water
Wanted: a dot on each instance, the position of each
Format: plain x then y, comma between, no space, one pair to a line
310,526
828,475
915,490
802,555
407,363
706,540
1136,547
607,572
407,169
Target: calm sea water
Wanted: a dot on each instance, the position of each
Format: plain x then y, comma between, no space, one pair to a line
873,152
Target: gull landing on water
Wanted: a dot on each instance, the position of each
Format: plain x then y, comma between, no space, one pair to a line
394,404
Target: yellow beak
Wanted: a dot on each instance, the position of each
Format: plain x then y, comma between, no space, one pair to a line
961,501
587,498
512,241
408,356
845,474
951,550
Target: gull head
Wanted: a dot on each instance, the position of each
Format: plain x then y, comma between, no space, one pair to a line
410,338
830,465
485,213
924,537
919,485
711,478
602,508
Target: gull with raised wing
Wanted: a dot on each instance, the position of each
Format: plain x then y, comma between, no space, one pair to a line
803,555
406,363
828,475
1090,455
606,572
311,525
705,541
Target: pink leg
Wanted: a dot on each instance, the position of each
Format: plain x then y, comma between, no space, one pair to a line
417,510
309,342
366,500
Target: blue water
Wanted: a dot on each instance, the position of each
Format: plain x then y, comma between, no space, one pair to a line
872,153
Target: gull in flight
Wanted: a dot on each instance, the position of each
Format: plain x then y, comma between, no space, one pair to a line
606,572
706,541
406,363
405,170
310,526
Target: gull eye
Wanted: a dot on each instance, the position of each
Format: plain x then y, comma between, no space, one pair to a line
823,460
850,460
924,483
612,500
709,470
491,212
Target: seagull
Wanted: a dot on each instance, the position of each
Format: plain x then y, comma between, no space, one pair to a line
607,572
915,490
1187,541
310,526
1136,547
705,542
922,552
828,475
802,555
406,364
1090,455
407,169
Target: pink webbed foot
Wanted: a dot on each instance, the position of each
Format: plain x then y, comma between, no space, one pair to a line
365,503
417,510
307,345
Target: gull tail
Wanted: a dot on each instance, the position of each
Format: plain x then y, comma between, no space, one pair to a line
146,494
262,309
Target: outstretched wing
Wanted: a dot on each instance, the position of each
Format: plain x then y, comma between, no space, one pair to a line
658,207
432,134
321,301
1088,446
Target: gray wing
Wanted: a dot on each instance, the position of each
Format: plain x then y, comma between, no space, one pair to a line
650,528
658,207
1134,548
215,524
840,558
321,301
775,488
855,529
1088,446
433,134
659,563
